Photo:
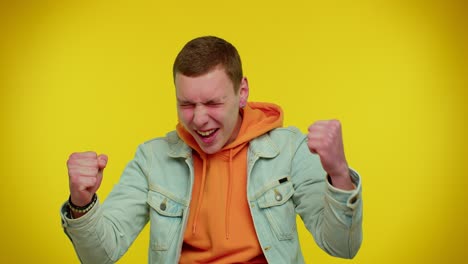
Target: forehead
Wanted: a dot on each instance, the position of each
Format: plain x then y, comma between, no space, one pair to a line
212,84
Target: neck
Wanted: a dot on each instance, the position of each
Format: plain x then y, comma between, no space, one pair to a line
236,130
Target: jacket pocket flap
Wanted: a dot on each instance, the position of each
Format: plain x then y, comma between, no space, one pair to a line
276,195
164,205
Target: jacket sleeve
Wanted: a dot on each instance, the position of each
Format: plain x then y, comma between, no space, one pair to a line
105,233
333,216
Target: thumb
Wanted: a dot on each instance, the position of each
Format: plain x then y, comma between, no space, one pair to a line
313,151
311,147
102,161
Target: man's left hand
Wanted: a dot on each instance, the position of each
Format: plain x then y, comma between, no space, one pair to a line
325,139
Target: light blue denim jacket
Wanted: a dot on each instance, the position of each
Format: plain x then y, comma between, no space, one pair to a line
284,179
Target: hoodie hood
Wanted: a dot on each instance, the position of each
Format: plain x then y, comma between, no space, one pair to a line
257,119
227,165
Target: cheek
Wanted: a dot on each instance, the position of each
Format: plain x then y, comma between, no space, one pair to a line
185,115
217,115
227,117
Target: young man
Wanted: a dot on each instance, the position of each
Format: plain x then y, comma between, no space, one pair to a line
226,186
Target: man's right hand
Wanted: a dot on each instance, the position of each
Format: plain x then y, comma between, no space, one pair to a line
85,175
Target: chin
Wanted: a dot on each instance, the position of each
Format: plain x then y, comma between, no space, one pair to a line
211,149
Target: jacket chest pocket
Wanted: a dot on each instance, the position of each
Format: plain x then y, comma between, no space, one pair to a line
278,207
166,217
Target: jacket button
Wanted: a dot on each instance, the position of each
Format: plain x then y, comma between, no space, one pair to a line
162,206
278,195
353,200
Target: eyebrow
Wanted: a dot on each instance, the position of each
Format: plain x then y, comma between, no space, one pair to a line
211,101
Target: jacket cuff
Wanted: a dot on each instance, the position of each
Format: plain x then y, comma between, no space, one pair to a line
348,198
77,223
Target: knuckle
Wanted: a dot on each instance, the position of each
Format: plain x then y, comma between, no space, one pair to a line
74,180
77,155
92,180
72,156
72,172
335,123
89,154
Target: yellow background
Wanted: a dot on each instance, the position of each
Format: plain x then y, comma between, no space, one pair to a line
88,75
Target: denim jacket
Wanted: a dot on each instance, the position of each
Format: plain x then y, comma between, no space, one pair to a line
284,179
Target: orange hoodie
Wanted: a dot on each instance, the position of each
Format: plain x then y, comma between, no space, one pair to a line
220,227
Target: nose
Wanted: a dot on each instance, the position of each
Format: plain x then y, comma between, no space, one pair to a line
200,116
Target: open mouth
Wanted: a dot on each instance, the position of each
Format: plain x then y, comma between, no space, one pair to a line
207,135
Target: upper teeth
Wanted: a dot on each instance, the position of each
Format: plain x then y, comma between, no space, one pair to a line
206,133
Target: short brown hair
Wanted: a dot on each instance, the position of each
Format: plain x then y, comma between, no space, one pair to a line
203,54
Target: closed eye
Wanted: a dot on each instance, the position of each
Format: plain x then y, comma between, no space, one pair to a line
215,104
186,105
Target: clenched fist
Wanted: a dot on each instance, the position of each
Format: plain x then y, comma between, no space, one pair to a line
325,139
85,176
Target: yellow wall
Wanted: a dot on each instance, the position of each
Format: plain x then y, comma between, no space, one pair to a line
82,75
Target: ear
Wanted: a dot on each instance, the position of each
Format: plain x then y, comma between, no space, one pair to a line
243,92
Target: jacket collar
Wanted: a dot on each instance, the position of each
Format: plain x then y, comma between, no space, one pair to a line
262,146
177,147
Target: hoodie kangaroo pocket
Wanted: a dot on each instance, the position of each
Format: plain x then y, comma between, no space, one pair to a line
166,216
278,207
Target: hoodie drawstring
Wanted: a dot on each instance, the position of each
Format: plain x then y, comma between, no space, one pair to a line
200,197
229,195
